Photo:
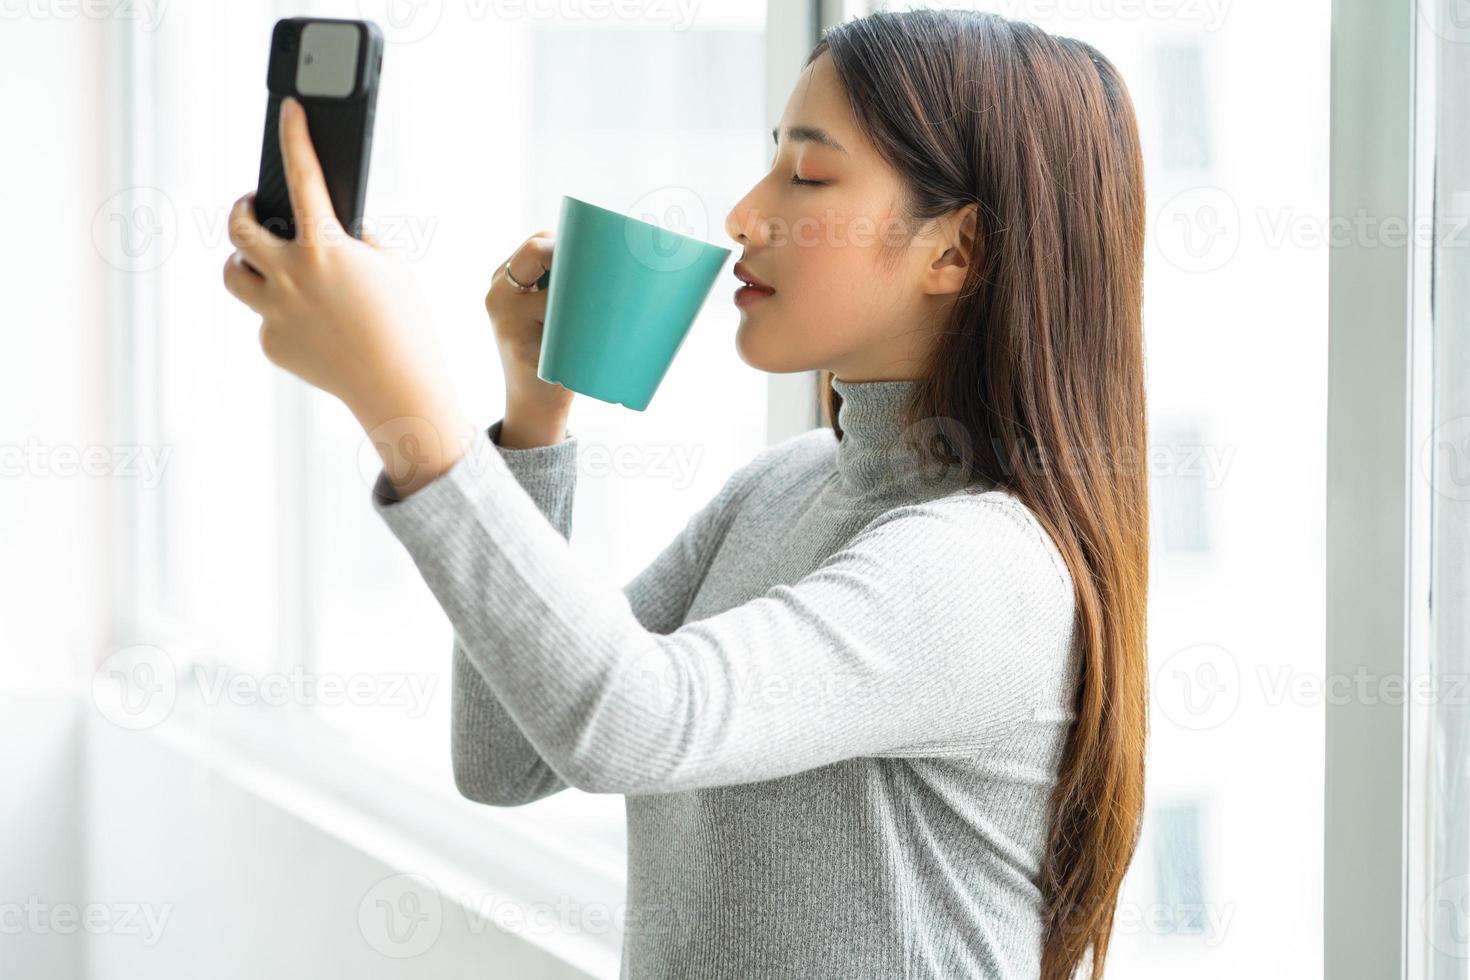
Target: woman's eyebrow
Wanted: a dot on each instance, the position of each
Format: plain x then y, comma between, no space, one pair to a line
809,134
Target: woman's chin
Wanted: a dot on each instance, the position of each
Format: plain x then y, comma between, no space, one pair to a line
755,347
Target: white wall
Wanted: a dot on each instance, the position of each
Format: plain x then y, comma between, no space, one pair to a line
239,888
52,555
40,820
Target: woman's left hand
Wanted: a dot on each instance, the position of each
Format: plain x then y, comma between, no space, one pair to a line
344,315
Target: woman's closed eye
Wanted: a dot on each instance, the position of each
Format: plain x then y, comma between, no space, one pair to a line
806,183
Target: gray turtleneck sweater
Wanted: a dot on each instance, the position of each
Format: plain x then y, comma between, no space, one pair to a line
835,702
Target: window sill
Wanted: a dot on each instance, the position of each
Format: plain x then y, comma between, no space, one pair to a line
477,857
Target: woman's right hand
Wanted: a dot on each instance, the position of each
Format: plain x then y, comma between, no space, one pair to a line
535,410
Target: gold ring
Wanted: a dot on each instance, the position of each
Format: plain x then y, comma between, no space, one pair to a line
518,286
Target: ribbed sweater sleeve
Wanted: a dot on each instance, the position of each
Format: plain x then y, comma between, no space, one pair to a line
926,633
493,761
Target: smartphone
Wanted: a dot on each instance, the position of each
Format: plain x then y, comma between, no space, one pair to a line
331,66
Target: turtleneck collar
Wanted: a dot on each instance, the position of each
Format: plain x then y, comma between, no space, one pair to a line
871,454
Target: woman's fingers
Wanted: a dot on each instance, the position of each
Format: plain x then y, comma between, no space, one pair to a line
310,202
532,259
244,283
527,264
253,239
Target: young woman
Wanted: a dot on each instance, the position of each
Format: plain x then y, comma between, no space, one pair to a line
879,710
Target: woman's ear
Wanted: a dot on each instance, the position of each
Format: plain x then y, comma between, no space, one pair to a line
958,243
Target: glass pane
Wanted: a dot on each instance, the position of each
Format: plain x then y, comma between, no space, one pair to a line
1228,876
219,503
647,116
1445,462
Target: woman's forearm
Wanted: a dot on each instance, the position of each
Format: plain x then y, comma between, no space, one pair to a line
530,426
418,435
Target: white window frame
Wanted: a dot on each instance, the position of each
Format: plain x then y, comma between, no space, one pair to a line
303,766
1377,534
1382,144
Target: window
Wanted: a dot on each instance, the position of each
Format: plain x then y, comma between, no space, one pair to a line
1186,469
1444,462
1179,892
1184,124
272,479
1228,877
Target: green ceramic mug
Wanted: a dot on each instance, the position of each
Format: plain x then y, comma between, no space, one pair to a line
621,297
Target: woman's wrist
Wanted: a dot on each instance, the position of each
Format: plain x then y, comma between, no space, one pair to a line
418,438
529,428
535,417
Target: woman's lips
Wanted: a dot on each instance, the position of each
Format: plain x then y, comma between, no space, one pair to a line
748,295
754,290
743,273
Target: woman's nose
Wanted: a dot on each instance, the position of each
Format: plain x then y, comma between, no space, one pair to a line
745,224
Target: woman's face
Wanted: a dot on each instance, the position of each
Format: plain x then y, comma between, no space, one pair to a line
835,302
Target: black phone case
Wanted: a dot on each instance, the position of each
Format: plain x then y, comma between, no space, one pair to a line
341,131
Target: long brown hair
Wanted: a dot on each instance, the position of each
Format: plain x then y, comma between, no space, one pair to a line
1042,363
